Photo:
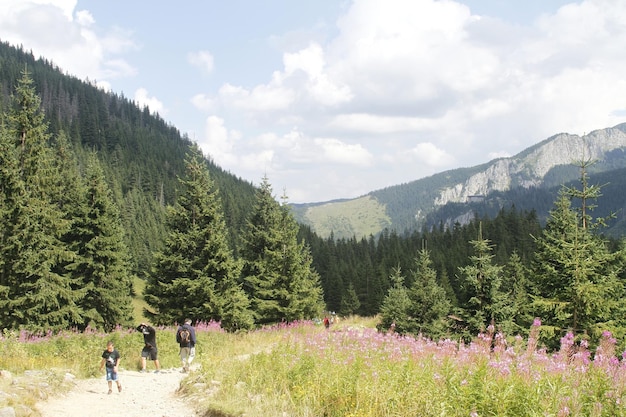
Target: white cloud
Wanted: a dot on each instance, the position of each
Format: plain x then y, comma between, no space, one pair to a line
318,84
143,99
379,123
260,99
219,142
201,59
84,18
429,154
334,150
67,37
203,102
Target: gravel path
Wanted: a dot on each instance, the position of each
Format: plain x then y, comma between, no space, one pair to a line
143,394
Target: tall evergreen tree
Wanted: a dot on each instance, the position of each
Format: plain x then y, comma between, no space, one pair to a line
577,277
349,302
396,306
10,194
103,260
482,282
429,304
196,275
517,315
36,294
277,271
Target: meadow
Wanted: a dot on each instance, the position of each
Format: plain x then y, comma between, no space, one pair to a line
350,370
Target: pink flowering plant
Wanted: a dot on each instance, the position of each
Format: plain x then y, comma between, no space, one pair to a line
352,370
359,372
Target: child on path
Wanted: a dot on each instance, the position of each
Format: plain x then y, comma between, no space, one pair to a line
111,358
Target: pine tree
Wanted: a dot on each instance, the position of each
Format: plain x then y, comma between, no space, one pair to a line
482,281
517,312
349,302
103,260
196,275
36,294
577,277
429,304
10,193
277,271
396,306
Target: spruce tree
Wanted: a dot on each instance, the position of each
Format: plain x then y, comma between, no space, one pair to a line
36,294
517,314
429,304
349,302
396,306
481,280
103,260
277,271
578,288
196,274
10,193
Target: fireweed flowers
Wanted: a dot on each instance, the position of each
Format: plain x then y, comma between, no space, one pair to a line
300,369
362,372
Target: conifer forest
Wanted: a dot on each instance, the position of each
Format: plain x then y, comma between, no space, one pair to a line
96,192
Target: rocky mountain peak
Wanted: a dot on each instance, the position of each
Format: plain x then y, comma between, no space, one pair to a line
529,167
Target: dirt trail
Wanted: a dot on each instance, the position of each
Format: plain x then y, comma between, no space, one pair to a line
143,394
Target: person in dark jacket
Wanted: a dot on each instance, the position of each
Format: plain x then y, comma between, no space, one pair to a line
186,339
149,350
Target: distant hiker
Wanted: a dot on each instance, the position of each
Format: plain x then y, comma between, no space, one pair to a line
149,350
186,338
111,359
326,322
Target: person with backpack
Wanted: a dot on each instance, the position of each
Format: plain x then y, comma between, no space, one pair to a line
186,338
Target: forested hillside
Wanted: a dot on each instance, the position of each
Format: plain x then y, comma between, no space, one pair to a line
95,191
141,154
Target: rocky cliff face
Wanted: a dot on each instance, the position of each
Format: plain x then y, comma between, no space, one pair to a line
530,167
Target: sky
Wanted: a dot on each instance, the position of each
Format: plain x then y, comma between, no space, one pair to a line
334,99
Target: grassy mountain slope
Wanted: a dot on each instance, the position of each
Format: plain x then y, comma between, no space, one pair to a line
360,217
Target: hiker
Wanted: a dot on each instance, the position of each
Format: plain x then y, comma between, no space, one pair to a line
186,339
149,350
111,358
326,322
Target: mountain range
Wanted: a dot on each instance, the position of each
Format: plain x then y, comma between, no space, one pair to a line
529,180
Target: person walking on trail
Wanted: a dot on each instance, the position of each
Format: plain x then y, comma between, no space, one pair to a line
186,339
111,359
149,350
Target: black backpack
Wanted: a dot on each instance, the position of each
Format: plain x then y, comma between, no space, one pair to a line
185,336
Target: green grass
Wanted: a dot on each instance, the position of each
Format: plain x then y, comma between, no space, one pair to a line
350,370
139,304
359,217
